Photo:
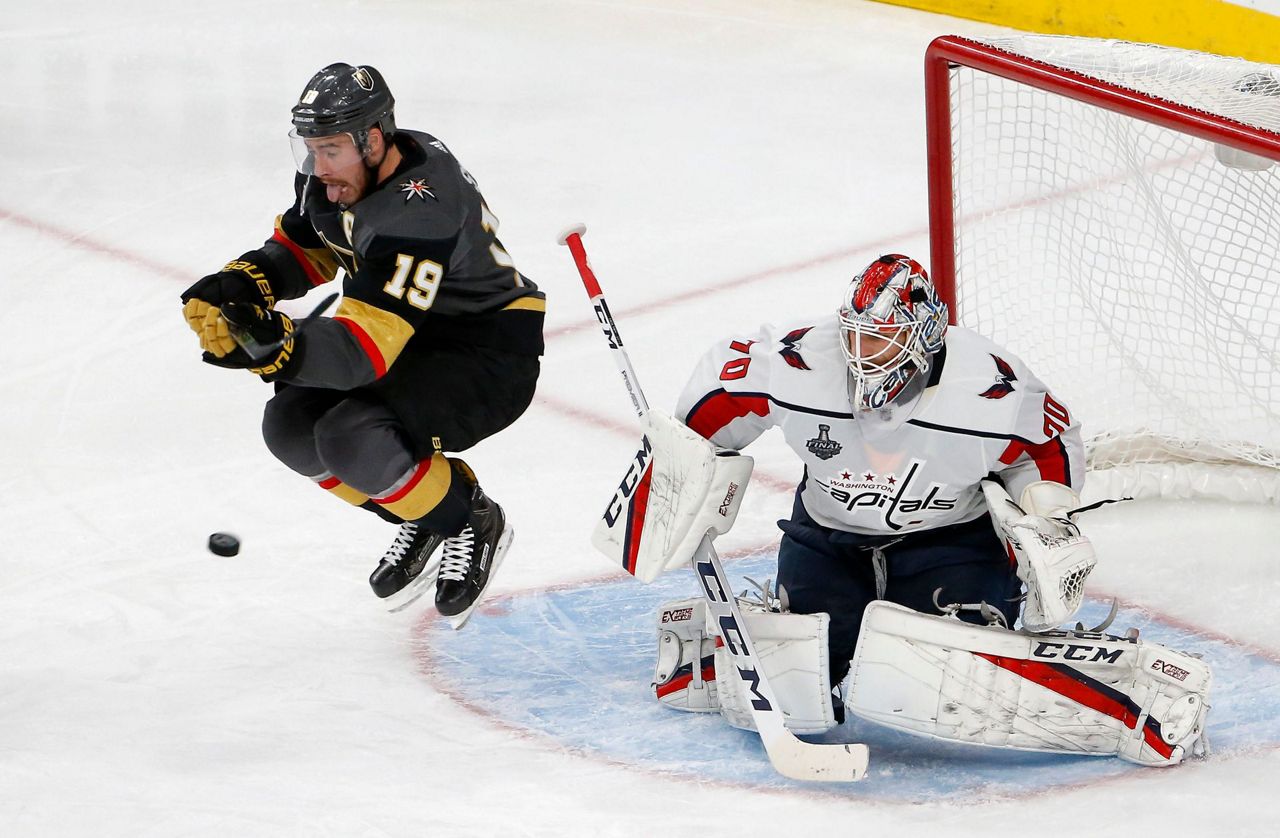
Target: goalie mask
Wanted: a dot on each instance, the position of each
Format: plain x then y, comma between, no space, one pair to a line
891,322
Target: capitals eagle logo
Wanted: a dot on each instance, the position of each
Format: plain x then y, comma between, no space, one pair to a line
789,352
1004,382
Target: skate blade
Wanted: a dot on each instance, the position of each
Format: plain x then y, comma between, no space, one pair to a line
457,621
411,593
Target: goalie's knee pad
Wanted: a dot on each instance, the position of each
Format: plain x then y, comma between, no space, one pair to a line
1064,691
695,672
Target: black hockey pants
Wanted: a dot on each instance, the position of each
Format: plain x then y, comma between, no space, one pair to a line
835,571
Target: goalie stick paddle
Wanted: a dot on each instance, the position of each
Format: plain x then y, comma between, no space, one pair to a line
791,756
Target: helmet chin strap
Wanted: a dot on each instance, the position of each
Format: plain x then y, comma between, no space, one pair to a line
367,156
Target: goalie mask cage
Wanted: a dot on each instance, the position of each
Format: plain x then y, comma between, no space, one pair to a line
1110,212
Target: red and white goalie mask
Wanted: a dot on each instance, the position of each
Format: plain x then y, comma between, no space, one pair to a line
891,323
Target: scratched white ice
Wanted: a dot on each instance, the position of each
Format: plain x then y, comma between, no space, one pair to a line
735,163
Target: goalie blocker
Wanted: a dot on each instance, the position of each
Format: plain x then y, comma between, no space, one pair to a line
677,489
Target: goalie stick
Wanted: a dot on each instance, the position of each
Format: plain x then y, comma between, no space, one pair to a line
791,756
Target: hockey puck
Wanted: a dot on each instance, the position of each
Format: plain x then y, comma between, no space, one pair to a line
224,544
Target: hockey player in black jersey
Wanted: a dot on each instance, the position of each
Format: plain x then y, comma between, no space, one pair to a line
434,347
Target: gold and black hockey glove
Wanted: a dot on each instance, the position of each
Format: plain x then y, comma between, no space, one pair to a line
262,340
240,281
244,280
211,327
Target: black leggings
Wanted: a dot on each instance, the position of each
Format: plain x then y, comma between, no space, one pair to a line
445,399
832,571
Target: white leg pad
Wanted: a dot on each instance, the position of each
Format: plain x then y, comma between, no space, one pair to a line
695,671
792,650
1071,692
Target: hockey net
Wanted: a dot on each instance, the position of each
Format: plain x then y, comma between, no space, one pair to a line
1110,212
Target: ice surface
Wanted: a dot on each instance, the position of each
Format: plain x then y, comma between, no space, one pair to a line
734,163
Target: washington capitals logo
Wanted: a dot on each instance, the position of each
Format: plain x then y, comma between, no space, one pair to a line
1004,381
891,499
416,188
823,446
789,352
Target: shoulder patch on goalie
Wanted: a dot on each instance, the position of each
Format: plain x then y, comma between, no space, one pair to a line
789,351
1003,385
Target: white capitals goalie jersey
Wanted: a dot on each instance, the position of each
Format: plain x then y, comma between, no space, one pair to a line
914,465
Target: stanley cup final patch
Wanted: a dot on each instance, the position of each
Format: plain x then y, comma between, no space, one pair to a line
823,446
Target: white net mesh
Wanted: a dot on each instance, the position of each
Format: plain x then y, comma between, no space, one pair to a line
1133,270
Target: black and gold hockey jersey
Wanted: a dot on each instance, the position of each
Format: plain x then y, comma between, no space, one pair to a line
423,268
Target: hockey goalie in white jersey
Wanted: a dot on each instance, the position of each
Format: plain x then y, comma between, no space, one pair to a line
931,554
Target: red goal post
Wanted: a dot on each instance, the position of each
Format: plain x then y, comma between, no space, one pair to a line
1110,212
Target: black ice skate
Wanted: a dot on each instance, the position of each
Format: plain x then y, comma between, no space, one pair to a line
471,559
408,568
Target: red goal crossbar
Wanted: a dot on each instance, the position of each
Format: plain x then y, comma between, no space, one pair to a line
949,51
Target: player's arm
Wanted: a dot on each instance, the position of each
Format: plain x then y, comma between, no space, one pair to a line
1045,444
384,304
683,482
726,398
1044,472
296,253
288,265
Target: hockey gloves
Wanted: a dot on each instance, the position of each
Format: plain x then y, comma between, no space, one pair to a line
241,281
259,338
211,327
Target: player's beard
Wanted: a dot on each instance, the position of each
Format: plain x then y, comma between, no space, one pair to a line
347,193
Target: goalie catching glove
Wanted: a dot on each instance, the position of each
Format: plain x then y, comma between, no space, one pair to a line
1054,558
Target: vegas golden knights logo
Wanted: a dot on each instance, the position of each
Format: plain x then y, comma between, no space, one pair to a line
823,446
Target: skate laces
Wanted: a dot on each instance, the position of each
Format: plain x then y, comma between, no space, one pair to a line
455,560
400,547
